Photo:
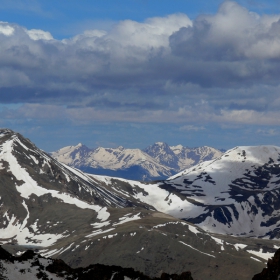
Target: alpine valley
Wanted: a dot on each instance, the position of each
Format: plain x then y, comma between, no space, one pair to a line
219,219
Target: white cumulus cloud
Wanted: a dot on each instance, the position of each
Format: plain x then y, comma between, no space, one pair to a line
37,34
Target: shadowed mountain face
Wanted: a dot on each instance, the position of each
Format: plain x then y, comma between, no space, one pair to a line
156,162
85,219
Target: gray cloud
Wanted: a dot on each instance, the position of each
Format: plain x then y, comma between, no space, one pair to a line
219,68
191,128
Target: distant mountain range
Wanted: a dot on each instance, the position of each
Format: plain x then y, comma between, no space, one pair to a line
83,219
156,162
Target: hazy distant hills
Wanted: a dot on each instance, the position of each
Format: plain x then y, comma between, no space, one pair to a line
157,161
85,219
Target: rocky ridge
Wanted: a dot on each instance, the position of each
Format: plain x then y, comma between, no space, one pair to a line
272,270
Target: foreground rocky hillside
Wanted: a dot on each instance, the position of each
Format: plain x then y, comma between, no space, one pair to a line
30,265
157,161
84,219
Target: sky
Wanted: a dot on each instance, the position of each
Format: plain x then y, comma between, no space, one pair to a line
134,72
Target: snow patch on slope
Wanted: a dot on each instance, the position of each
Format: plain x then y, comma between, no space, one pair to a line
261,254
22,234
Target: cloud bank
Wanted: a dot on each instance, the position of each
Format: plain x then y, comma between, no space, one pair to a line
221,68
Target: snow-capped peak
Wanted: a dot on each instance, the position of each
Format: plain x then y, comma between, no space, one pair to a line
239,191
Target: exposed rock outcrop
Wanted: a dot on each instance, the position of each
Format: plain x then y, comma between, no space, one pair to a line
272,271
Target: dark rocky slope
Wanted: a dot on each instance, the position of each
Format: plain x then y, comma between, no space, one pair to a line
33,266
272,271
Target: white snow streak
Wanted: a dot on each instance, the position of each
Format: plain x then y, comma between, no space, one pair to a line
196,249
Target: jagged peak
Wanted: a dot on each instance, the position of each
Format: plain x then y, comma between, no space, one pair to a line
6,131
3,130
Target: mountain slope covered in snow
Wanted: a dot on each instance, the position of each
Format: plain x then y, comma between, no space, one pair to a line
237,193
